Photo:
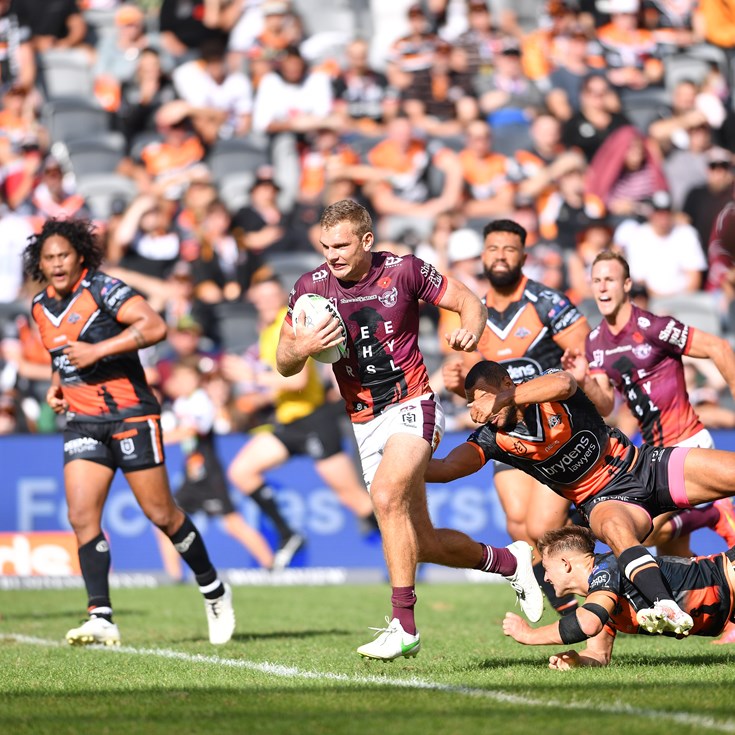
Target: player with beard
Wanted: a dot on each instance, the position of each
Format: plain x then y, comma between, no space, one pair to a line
529,327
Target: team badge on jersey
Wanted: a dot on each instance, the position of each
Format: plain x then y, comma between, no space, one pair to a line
389,298
522,332
642,351
554,420
73,318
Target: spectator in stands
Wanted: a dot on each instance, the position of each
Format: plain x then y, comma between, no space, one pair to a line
280,29
570,210
362,99
293,98
222,270
17,57
324,157
398,187
148,90
54,24
721,261
535,164
599,115
118,52
412,52
625,172
168,165
54,196
664,256
221,101
145,241
631,54
686,168
507,96
690,109
487,175
19,121
440,100
703,203
261,225
14,233
482,41
186,24
566,79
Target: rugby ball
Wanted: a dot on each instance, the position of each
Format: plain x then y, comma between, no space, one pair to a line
307,311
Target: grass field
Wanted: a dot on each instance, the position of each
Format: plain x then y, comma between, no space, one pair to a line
292,668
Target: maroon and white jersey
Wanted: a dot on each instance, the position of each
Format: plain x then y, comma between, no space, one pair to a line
382,365
644,363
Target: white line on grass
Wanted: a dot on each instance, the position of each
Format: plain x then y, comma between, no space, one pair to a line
291,672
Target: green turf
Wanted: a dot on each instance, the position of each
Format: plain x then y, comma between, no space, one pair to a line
482,681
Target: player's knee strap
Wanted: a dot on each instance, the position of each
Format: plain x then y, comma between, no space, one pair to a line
570,630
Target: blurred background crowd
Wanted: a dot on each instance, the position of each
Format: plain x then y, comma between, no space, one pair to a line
205,137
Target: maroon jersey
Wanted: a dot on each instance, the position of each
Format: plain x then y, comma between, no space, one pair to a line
644,363
382,365
114,388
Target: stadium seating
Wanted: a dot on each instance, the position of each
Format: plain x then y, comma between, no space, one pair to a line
66,74
698,310
71,118
237,156
237,324
96,154
100,191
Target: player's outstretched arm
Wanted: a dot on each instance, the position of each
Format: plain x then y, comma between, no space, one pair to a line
472,313
461,461
704,344
144,328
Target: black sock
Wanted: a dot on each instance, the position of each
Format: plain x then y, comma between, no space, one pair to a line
266,501
563,605
641,569
188,542
94,561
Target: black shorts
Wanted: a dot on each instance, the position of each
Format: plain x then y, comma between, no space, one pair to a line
209,495
131,444
317,435
651,484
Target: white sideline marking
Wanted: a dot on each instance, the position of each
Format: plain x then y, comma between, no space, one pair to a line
681,718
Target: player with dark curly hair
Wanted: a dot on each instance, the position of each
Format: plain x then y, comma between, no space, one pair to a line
93,325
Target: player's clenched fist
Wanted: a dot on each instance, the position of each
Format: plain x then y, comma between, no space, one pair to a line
462,340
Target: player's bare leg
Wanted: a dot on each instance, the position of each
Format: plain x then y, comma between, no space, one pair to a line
87,485
622,526
152,491
247,473
398,479
253,541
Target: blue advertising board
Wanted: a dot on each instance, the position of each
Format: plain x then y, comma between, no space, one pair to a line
33,500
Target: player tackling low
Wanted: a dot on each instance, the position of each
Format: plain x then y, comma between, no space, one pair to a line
396,418
703,586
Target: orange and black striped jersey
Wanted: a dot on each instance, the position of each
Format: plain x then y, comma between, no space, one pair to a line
701,586
113,389
563,444
522,336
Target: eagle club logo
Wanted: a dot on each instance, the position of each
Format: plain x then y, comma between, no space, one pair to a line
642,351
389,298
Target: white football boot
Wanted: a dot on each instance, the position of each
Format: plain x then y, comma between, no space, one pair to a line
94,630
665,617
391,643
523,581
220,617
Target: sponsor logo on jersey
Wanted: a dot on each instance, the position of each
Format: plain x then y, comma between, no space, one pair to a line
392,261
600,579
431,274
522,368
598,357
102,546
643,323
673,335
575,459
642,351
320,275
389,298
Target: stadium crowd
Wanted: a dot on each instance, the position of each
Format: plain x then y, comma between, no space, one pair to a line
205,138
